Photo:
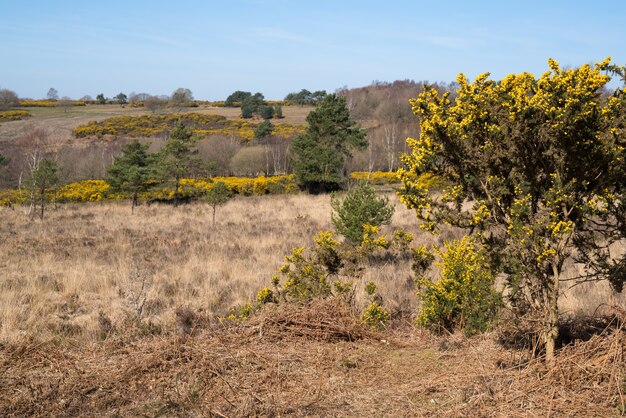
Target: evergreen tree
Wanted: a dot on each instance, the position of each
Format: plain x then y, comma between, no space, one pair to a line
179,158
217,196
263,130
44,178
360,207
131,171
319,152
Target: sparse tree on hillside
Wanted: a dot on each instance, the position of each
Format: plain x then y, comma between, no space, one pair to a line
252,104
319,153
121,98
217,196
266,112
181,98
8,99
153,104
178,158
131,171
137,97
541,162
305,97
52,94
237,98
263,131
45,178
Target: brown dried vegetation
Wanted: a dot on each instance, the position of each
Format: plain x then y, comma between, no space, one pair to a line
103,313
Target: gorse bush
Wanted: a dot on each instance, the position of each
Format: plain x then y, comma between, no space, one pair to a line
203,124
463,297
359,207
98,190
11,115
376,316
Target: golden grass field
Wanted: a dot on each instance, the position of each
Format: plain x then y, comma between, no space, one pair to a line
70,344
104,313
58,276
59,123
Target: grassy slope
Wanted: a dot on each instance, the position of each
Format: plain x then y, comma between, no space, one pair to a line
60,123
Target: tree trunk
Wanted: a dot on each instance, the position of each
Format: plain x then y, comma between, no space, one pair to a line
214,207
552,327
176,193
132,207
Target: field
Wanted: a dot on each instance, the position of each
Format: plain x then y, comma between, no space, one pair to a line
60,123
73,340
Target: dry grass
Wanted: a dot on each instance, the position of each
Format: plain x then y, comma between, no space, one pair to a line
59,124
57,276
93,261
316,368
71,289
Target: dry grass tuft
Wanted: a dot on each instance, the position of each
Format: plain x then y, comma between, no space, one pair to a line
328,320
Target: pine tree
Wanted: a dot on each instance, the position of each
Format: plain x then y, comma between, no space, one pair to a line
179,158
319,153
131,171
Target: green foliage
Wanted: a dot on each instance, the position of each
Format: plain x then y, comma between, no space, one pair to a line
370,288
463,297
305,97
359,207
252,104
306,278
247,109
218,195
265,295
121,98
100,99
376,316
278,111
178,159
534,167
237,98
131,171
44,178
266,112
318,154
263,131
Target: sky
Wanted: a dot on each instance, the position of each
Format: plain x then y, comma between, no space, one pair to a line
275,47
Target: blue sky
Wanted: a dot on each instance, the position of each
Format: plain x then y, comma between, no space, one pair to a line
279,46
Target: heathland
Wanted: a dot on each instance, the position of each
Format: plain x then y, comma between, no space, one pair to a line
257,306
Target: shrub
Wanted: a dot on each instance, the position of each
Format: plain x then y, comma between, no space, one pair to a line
360,207
463,297
376,316
11,115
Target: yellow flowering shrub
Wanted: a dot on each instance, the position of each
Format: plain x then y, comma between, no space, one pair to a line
49,103
203,124
10,115
464,296
84,191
